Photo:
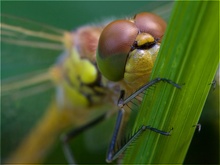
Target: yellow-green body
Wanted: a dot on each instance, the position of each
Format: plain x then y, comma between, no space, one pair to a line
82,94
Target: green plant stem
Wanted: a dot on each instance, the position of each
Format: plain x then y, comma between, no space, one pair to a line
189,55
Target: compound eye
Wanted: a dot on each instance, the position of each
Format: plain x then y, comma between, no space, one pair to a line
150,23
114,45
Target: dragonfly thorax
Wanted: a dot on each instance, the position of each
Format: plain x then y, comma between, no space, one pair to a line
80,83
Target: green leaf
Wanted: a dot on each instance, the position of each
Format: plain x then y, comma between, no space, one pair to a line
189,55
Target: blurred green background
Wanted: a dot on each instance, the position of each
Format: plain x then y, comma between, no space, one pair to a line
20,110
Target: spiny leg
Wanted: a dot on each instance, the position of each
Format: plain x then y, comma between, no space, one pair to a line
144,87
113,154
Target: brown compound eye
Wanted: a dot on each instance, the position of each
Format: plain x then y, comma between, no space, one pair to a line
114,45
150,23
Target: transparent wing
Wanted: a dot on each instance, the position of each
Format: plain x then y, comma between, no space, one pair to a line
28,50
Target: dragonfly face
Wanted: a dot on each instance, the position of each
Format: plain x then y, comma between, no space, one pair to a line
128,48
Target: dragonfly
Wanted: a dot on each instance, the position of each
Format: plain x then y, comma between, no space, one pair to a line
88,101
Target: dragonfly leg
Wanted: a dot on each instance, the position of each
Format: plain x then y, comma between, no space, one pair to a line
65,138
113,152
149,84
111,155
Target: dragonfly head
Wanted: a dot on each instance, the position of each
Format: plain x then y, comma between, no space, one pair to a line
121,37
